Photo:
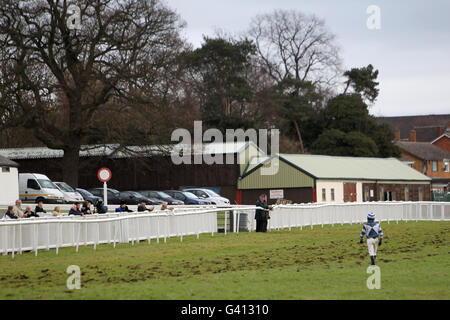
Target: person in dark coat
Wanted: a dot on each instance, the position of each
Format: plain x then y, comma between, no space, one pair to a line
123,207
86,209
39,208
28,213
75,210
142,207
10,213
262,215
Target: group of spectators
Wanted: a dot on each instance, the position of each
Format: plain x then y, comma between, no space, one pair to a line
78,209
17,211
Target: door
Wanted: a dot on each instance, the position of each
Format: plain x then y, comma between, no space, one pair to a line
349,192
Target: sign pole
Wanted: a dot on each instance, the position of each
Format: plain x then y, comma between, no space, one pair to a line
105,194
104,175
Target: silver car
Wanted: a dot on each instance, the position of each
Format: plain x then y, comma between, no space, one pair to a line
208,194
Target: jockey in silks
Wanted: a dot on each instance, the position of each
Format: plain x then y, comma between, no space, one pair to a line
372,230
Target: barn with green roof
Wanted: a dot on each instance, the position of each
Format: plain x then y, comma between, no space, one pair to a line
318,178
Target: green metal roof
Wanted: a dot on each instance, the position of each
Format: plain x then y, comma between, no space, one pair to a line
332,167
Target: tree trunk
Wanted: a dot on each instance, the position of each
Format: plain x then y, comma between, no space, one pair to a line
71,163
299,136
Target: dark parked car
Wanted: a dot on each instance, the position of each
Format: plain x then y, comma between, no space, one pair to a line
186,197
133,197
161,196
113,195
89,196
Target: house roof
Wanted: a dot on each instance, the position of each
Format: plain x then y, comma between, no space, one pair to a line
423,150
350,168
8,163
117,151
445,134
425,125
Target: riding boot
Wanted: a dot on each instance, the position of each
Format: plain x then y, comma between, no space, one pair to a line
372,259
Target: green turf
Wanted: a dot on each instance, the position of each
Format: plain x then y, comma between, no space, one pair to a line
326,263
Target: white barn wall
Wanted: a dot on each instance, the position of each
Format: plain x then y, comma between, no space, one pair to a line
338,187
9,186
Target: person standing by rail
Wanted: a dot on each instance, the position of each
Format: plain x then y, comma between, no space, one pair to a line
262,215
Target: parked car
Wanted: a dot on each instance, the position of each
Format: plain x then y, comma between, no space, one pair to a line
186,197
133,197
209,195
113,195
70,194
89,196
161,196
38,187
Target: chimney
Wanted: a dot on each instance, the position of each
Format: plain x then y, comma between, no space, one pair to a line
412,136
438,131
397,135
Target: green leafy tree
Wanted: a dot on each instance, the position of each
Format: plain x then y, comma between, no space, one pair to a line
337,143
219,69
362,81
298,99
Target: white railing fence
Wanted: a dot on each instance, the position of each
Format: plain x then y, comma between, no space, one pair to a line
72,231
34,234
303,215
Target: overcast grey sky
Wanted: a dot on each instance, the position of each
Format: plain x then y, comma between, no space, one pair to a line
411,50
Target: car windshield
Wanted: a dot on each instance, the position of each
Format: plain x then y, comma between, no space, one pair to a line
136,194
211,193
163,195
190,195
64,187
85,193
47,184
111,190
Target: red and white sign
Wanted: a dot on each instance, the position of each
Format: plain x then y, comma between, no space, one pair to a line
104,175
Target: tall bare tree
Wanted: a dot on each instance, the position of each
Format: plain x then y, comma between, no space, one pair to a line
55,79
291,44
296,48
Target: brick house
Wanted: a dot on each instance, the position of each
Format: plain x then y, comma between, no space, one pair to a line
428,159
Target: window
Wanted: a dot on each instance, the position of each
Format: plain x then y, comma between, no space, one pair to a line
424,166
366,194
434,165
332,194
5,169
420,194
32,184
446,166
324,194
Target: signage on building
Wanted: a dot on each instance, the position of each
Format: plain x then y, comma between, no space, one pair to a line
277,194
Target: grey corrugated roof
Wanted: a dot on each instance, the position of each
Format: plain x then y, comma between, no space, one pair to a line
423,150
116,151
351,168
8,163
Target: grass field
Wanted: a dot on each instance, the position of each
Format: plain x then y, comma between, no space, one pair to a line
326,263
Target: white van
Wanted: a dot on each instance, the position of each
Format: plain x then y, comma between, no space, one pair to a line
38,187
70,194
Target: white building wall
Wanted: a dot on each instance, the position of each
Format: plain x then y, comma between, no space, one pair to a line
9,186
338,187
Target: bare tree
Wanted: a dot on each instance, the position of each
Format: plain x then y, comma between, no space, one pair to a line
291,44
55,79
